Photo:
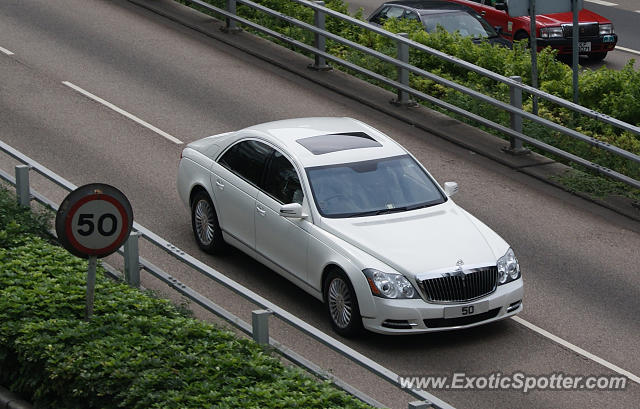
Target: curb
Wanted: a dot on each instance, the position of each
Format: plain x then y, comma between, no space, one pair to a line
441,125
9,400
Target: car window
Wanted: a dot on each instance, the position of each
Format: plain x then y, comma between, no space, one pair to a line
281,181
378,17
410,15
465,23
395,12
247,160
372,187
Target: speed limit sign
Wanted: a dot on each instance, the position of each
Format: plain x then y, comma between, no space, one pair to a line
94,220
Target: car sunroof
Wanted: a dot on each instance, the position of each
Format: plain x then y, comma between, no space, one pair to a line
322,144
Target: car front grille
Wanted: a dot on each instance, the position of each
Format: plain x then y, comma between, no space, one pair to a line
584,30
461,286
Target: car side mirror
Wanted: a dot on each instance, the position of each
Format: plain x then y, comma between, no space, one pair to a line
292,211
501,6
450,188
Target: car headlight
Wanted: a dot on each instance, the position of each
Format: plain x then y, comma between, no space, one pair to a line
606,29
389,285
508,268
551,32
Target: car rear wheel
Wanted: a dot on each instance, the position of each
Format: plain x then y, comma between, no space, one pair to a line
204,222
342,304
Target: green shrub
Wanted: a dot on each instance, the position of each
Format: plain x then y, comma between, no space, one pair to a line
16,220
136,352
615,93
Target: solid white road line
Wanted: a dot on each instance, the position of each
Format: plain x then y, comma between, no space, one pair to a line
578,350
602,3
123,112
629,50
4,50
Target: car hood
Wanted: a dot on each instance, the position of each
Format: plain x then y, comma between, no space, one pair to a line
556,19
422,240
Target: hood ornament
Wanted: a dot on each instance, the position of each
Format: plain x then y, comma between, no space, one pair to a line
458,272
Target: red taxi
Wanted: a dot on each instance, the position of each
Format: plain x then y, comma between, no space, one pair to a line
596,33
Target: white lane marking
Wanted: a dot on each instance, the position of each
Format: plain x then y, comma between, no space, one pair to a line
602,3
123,112
4,50
629,50
578,350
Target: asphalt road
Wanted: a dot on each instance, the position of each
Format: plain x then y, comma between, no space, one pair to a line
580,262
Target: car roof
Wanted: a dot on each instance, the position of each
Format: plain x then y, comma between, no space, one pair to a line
429,6
326,140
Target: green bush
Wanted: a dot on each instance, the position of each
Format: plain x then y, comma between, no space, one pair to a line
136,352
16,219
615,93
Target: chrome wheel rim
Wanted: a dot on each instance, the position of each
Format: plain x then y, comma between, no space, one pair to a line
203,217
340,303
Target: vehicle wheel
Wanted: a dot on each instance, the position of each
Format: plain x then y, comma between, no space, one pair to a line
342,304
597,56
522,35
204,222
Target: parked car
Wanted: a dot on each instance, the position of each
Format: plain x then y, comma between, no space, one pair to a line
352,218
433,13
596,37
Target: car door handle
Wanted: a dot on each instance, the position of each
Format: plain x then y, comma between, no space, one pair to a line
261,211
483,13
220,185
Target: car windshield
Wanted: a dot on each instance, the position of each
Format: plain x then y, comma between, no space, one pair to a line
461,21
372,187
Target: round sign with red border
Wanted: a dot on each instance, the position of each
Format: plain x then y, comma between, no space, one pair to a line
94,220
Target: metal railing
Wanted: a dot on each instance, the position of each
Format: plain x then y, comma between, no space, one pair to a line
133,263
401,83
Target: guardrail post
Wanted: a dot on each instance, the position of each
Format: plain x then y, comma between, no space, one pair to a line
260,326
230,26
132,260
422,404
23,192
403,74
320,64
515,95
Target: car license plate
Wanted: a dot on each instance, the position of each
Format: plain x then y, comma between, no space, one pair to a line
584,46
465,310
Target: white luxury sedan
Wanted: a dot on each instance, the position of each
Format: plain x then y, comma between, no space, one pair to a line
351,217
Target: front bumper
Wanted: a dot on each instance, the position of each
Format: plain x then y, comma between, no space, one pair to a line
600,44
417,316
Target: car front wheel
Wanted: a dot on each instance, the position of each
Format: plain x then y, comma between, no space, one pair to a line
342,304
204,222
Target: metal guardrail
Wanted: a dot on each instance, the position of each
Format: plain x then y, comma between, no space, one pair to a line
402,82
259,328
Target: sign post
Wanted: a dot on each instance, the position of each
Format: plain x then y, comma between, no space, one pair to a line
574,45
92,222
534,52
518,8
